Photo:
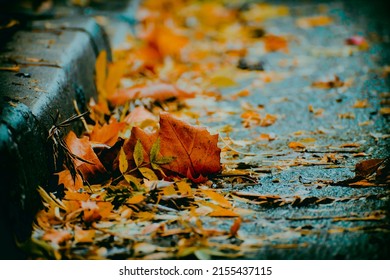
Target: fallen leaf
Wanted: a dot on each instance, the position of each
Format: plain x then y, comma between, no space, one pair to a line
214,14
335,83
350,145
348,115
82,148
195,152
184,188
235,227
361,103
141,117
90,211
116,71
357,41
57,236
385,111
222,81
101,73
10,68
70,183
223,213
84,236
273,43
108,133
264,11
156,91
220,199
369,173
136,199
296,146
367,167
167,41
314,21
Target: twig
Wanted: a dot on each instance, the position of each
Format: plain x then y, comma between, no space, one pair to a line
76,107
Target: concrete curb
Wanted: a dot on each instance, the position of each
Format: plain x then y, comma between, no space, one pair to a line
55,60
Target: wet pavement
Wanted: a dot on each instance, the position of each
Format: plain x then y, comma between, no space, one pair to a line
310,217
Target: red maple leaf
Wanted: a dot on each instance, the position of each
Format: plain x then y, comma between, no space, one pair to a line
194,150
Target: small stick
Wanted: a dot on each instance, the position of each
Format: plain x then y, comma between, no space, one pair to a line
76,107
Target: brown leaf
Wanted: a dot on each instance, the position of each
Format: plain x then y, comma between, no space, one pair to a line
195,152
335,83
350,145
369,173
367,167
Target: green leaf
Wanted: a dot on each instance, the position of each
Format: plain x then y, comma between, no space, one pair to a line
148,173
138,153
123,164
155,150
164,160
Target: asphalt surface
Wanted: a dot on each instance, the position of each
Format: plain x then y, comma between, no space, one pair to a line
337,228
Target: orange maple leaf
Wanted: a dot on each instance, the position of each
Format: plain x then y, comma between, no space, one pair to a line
108,133
167,41
195,151
81,147
70,183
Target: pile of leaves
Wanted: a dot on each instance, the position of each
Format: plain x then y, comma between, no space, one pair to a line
140,182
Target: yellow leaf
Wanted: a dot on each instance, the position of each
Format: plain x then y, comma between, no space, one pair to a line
115,73
170,190
138,198
385,111
148,173
138,153
184,188
361,103
145,216
314,21
84,236
217,198
221,81
123,164
308,140
101,74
